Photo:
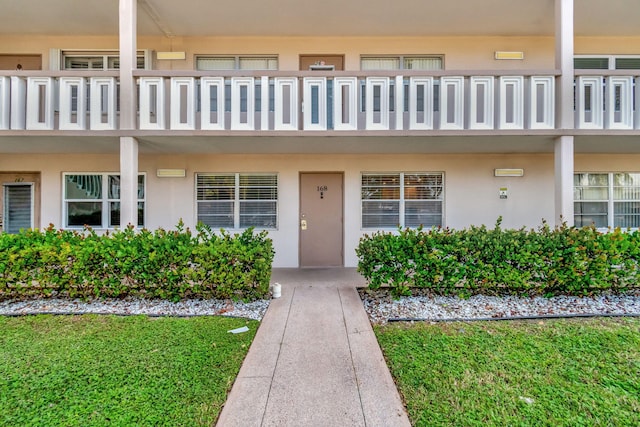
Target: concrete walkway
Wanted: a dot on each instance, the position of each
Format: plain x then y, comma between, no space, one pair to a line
315,360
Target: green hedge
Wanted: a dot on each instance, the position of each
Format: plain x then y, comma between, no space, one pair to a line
160,264
547,261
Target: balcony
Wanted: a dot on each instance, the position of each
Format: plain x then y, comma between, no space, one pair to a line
312,102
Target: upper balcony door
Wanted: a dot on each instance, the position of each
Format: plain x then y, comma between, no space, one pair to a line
20,62
322,62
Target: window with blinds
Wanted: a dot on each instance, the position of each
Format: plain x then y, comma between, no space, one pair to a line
18,207
216,63
431,62
237,200
390,200
606,62
94,200
607,199
72,60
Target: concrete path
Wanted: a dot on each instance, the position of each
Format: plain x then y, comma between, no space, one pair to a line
315,360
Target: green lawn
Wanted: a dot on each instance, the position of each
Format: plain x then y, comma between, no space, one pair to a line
117,371
551,373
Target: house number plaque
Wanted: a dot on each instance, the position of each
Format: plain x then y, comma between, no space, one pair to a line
321,189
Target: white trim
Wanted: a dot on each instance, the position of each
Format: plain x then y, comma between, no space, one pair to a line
150,107
205,105
399,107
383,114
595,121
351,101
178,104
321,103
281,120
5,102
427,114
40,99
548,102
624,119
99,107
237,83
18,103
485,104
457,84
66,103
516,106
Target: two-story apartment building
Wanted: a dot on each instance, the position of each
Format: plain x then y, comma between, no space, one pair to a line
319,121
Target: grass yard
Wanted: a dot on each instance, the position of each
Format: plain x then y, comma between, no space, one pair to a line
552,373
118,371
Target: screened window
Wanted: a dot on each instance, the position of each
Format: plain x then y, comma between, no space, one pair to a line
402,199
607,199
237,200
431,62
96,60
214,63
94,200
607,62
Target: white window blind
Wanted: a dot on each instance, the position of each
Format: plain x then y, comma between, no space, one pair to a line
18,209
216,63
401,63
402,199
607,199
237,200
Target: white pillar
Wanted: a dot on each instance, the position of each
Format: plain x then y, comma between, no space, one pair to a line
563,170
564,63
128,145
128,181
563,153
128,63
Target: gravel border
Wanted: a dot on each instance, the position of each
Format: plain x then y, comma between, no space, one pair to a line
381,307
132,306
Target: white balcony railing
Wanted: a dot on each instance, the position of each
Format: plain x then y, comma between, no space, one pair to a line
315,102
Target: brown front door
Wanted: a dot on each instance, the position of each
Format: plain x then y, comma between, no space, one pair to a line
20,62
320,225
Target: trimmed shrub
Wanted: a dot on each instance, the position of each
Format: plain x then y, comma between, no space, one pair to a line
547,261
161,264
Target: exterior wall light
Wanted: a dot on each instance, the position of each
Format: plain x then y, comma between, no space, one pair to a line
509,55
508,172
171,173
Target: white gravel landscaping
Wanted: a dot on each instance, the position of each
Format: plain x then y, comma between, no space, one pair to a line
252,310
381,307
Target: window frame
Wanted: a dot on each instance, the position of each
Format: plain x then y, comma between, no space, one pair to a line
401,60
104,200
402,200
611,60
106,56
610,200
237,200
237,60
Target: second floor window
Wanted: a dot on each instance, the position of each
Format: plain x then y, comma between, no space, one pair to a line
214,63
98,60
384,62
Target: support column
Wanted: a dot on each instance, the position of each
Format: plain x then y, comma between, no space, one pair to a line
128,63
563,152
128,181
128,145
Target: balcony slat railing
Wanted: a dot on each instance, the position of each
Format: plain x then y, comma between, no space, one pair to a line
317,102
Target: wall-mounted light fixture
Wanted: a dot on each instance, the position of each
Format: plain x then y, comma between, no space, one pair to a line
171,173
509,55
171,55
508,172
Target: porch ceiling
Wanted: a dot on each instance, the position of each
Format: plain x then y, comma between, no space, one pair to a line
455,144
331,17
